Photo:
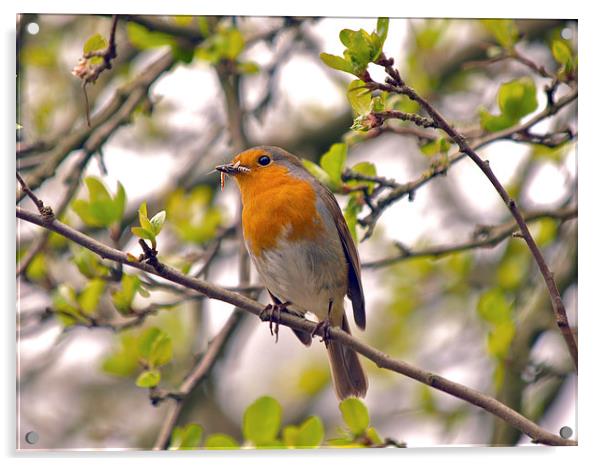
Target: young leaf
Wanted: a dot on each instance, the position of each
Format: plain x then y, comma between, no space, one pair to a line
333,162
359,97
161,351
143,218
186,438
382,28
500,338
142,38
221,442
119,201
95,43
336,62
148,379
123,298
355,415
350,214
518,98
89,298
261,421
316,171
157,222
493,307
142,233
562,52
310,433
504,31
97,190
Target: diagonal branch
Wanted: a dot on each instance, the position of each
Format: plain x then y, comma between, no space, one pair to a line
397,85
484,237
472,396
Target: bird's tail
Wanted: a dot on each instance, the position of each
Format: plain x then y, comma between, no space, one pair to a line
347,372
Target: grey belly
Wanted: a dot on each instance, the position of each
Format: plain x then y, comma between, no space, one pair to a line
310,275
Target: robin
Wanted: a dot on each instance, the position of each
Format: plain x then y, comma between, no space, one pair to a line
302,248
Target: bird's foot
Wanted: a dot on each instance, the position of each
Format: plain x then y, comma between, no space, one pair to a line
272,313
325,326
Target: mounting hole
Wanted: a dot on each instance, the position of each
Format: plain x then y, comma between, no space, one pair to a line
32,437
566,432
33,28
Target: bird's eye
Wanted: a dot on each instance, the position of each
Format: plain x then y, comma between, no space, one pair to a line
263,160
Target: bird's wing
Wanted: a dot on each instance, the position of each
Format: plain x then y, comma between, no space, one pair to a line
354,291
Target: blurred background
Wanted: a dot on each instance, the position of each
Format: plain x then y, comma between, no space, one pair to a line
186,93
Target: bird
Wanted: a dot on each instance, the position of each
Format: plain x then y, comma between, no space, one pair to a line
301,246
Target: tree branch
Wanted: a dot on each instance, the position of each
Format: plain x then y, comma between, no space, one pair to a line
399,190
92,137
484,237
397,85
488,403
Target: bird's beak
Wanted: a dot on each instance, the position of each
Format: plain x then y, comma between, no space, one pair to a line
232,168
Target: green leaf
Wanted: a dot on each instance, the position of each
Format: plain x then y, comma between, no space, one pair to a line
97,190
120,201
235,43
90,296
316,171
221,442
147,339
123,298
504,31
494,123
336,62
518,98
359,97
310,433
124,360
355,414
512,270
248,67
500,338
64,301
142,38
563,54
546,232
37,268
143,218
289,435
382,28
161,351
493,307
373,435
95,43
261,421
186,438
333,162
350,214
148,379
157,222
142,233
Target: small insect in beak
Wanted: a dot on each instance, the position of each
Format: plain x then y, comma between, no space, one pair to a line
230,169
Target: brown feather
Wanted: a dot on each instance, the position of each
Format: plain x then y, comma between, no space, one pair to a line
354,291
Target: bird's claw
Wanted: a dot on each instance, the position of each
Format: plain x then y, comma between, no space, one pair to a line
273,313
325,326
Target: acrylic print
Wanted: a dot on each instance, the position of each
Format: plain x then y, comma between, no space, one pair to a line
295,232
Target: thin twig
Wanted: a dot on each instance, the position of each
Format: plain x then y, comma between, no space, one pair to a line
536,433
397,85
485,237
410,188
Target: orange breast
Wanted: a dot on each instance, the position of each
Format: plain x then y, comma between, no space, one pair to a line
276,204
